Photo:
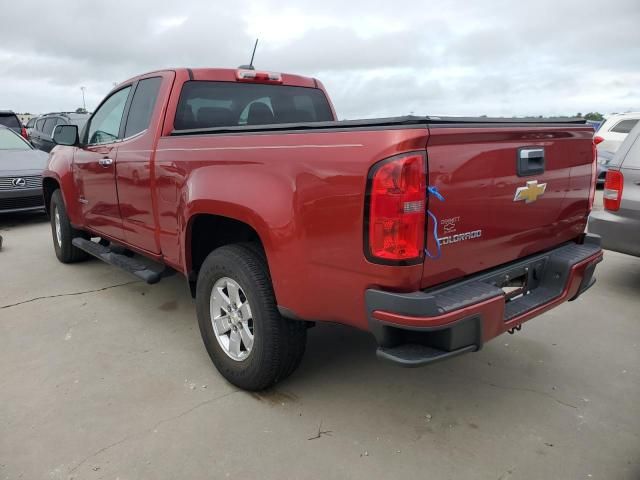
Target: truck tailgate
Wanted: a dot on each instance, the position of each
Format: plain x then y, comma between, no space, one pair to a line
509,192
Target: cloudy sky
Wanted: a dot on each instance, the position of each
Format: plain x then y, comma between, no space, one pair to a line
376,58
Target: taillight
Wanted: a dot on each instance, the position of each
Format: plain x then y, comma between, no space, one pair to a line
598,139
258,77
396,210
594,175
613,184
23,132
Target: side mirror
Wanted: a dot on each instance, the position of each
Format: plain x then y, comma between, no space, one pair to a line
66,135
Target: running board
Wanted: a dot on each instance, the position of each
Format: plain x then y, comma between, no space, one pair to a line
413,355
150,273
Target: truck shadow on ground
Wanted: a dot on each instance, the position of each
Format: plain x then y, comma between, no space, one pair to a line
343,359
13,220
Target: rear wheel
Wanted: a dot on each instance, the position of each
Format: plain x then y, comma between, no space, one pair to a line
248,340
63,232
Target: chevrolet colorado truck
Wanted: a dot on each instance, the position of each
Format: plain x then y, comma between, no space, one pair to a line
434,234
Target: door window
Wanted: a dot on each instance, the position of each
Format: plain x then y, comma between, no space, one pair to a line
104,126
144,99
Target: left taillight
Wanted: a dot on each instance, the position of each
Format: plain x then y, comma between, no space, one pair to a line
23,132
612,194
395,210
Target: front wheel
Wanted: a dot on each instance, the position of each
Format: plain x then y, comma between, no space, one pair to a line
248,340
63,232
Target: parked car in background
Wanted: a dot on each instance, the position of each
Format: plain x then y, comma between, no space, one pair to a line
11,120
41,136
604,160
31,124
619,223
596,124
21,169
614,130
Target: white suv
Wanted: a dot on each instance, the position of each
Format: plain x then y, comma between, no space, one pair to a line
614,130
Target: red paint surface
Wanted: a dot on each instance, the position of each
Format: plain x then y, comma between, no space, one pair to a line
303,193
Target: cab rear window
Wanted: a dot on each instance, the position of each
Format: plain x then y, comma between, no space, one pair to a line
205,104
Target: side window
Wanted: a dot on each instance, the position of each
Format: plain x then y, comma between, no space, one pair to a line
625,126
49,124
40,124
144,100
105,123
31,122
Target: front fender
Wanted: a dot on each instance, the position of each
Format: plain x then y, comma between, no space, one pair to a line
60,169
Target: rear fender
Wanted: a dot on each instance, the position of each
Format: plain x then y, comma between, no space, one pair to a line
269,211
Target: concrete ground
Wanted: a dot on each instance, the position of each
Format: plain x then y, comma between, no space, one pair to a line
105,377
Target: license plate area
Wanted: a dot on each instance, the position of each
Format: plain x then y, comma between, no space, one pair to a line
515,288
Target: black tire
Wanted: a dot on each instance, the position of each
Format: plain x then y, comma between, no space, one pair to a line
279,343
65,251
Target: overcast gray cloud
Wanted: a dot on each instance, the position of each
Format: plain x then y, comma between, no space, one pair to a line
376,58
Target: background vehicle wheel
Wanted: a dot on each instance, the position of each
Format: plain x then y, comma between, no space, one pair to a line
248,340
63,232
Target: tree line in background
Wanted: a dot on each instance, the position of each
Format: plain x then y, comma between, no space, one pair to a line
596,116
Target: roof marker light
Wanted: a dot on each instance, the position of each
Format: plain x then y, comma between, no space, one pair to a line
260,77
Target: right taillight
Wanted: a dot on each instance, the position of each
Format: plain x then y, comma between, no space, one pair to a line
598,139
612,195
395,212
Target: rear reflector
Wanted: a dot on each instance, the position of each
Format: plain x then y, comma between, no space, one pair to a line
613,190
258,77
598,139
395,213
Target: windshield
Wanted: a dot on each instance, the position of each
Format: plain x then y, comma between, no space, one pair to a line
12,141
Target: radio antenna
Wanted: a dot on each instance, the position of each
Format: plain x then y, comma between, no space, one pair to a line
250,66
255,45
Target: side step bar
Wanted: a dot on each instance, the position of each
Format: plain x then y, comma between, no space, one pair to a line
148,273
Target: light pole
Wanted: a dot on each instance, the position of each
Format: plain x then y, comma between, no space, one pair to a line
84,105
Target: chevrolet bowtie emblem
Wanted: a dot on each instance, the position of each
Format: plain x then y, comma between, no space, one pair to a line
531,192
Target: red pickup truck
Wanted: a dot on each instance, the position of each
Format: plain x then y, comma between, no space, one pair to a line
434,234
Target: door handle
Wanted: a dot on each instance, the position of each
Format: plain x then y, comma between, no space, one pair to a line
105,162
530,161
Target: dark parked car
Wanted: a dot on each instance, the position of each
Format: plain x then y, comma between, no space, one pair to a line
11,120
619,223
20,173
41,135
31,124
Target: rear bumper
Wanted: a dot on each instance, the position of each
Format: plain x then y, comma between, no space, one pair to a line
417,328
